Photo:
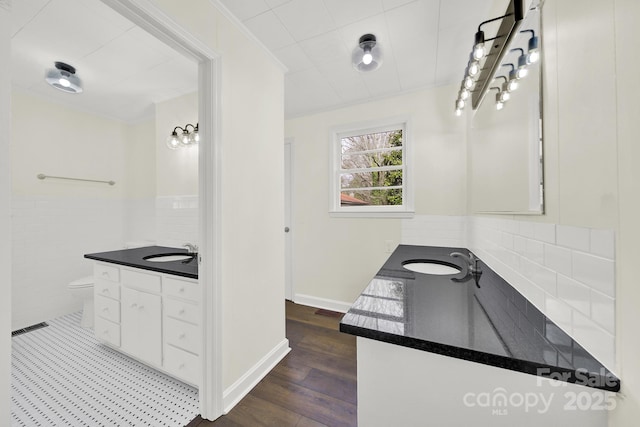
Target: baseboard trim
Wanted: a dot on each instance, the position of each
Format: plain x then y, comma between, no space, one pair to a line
234,393
327,304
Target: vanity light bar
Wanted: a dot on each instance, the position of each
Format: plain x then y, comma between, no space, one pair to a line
492,54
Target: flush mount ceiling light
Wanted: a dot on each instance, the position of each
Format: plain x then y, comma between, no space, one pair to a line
64,78
367,56
186,138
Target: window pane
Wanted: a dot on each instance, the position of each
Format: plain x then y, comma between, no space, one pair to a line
376,159
371,141
386,178
356,198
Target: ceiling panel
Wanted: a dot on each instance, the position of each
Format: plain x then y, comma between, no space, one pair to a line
294,58
305,19
269,30
245,9
348,12
328,47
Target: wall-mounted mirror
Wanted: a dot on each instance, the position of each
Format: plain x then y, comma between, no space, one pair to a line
505,145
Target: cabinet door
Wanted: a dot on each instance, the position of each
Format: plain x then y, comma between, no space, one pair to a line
141,334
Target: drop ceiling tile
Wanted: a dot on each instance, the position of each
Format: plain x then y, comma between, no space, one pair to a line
294,58
454,12
348,12
383,81
326,48
268,29
305,19
392,4
345,80
23,11
275,3
245,9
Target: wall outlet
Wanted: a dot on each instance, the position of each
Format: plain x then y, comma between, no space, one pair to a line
389,246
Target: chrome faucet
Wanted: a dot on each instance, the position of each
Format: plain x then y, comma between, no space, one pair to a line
472,261
191,248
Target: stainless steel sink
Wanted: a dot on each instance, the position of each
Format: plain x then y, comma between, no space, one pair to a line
431,267
168,257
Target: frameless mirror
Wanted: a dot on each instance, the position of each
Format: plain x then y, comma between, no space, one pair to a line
505,141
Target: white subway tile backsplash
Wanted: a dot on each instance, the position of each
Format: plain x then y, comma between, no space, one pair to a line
560,313
507,241
594,339
575,294
526,229
534,250
558,259
545,232
603,243
594,271
542,277
520,244
603,311
573,237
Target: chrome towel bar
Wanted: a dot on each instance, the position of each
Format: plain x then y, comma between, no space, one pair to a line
43,176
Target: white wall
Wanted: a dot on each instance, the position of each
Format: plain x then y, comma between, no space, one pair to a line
252,182
334,258
55,222
5,218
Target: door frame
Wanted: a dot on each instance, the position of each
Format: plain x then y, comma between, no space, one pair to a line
152,19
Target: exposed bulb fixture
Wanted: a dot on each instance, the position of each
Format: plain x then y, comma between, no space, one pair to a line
478,46
474,66
500,98
185,139
64,78
367,56
464,93
460,103
458,109
468,82
533,52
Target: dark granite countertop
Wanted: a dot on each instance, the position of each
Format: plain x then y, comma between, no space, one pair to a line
450,315
136,258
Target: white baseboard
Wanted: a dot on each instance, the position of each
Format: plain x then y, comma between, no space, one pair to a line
234,393
327,304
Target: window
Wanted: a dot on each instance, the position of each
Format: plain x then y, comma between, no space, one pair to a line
370,176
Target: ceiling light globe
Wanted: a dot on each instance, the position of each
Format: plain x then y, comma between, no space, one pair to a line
367,58
64,82
173,142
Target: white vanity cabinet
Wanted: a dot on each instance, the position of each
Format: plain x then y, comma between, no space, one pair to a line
152,317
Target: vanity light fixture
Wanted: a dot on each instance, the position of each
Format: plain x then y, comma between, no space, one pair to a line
63,77
512,82
367,56
479,75
533,52
505,86
499,101
185,139
521,71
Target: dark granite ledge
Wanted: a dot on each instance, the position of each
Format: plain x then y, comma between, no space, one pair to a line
135,258
492,324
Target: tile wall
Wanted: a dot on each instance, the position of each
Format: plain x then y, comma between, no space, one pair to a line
567,272
177,220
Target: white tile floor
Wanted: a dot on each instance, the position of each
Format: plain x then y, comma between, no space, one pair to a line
61,376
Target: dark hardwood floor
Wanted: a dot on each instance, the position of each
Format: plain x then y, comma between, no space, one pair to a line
313,386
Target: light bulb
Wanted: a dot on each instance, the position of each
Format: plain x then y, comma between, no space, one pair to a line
468,82
533,56
173,142
478,51
458,112
474,68
464,93
64,82
367,57
512,85
521,73
194,137
460,103
499,105
184,138
504,96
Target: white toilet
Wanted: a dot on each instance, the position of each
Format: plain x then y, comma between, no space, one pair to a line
83,289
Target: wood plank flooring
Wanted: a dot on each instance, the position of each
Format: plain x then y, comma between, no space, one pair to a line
313,386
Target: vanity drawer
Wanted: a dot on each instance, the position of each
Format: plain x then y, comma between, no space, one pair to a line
181,288
107,308
182,364
183,335
141,281
107,289
189,312
106,272
107,331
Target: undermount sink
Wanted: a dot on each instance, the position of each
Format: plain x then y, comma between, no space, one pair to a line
168,257
431,267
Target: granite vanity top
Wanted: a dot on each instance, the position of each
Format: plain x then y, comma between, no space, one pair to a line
480,318
136,258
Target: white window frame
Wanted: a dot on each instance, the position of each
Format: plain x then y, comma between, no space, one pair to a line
405,210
